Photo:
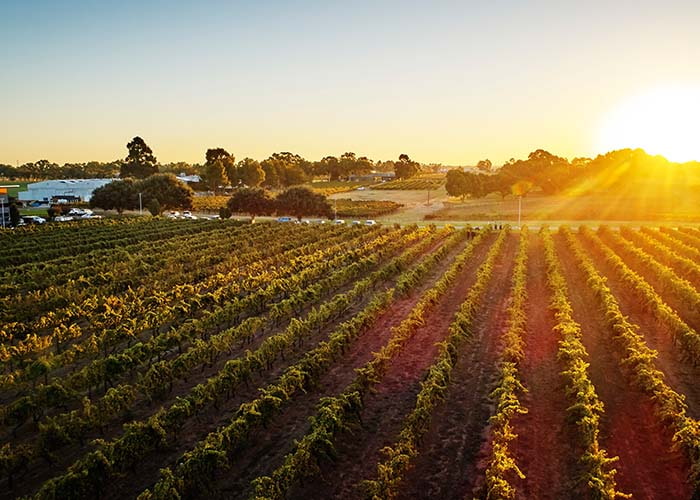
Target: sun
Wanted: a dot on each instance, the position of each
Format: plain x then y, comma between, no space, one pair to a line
663,121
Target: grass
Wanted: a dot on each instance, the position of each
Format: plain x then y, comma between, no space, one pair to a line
12,192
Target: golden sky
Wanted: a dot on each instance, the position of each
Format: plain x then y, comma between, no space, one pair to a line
448,82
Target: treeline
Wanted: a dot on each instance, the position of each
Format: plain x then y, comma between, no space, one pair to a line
553,174
160,192
219,168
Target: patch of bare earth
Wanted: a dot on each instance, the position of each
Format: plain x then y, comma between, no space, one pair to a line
267,449
446,466
545,449
648,467
680,373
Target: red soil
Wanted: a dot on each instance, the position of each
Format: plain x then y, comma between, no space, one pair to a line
268,448
545,449
446,466
680,373
384,411
648,468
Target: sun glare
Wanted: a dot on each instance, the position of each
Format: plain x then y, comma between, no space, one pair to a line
662,121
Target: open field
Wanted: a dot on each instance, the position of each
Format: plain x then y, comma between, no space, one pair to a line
537,209
231,360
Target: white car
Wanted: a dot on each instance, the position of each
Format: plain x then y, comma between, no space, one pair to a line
356,223
62,218
80,211
90,216
370,222
174,215
284,219
188,215
33,219
338,221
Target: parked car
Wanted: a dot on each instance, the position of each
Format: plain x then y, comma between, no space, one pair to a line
188,215
80,211
356,223
284,219
90,216
174,214
33,219
370,222
62,218
338,221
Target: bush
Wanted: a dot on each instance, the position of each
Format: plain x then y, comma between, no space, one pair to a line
225,213
154,207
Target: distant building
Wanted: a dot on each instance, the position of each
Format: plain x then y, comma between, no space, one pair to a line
189,179
373,177
70,190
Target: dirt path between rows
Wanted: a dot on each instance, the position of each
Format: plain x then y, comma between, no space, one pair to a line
680,374
545,449
647,468
267,449
447,464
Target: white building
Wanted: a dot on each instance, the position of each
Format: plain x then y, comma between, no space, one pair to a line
62,189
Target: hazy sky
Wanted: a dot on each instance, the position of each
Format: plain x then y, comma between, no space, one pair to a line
450,82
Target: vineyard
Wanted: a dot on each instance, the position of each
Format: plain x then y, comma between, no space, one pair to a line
419,183
364,208
161,359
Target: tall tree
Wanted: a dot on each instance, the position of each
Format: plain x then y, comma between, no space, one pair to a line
139,162
300,201
214,175
405,168
251,201
227,159
249,173
456,183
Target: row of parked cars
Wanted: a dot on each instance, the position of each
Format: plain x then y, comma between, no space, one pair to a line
323,221
174,214
73,214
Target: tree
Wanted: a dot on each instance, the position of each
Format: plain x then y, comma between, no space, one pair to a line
456,183
227,160
214,175
272,168
300,201
117,195
14,213
140,162
484,165
154,207
330,166
285,169
170,192
249,173
251,201
405,168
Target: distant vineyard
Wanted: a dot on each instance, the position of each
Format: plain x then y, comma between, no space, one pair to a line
411,184
332,187
209,203
160,359
365,208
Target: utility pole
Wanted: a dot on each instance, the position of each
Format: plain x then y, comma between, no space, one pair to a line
140,205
